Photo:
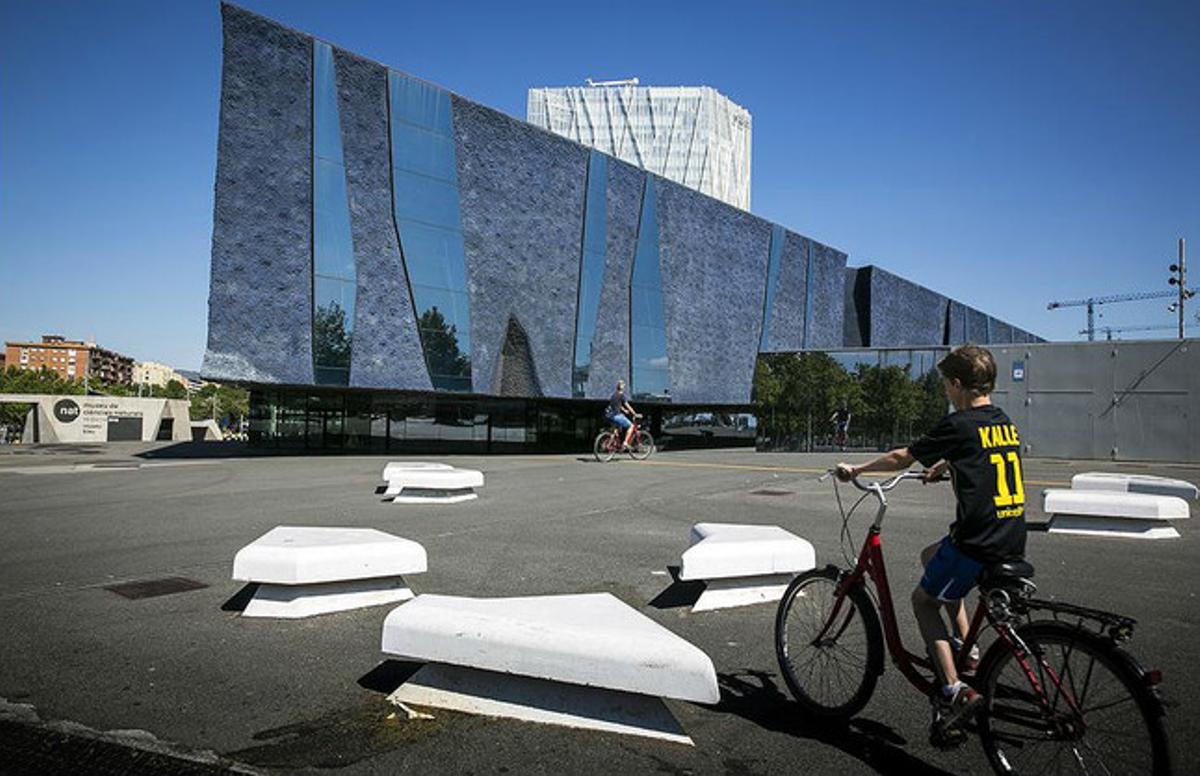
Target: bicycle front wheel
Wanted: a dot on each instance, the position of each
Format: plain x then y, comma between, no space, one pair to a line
605,447
1094,713
831,671
643,445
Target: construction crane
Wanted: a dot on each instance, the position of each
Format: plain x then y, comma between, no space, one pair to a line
1092,301
1109,331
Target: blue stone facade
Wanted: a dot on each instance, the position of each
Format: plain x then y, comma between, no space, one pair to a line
714,274
387,351
260,293
520,198
522,218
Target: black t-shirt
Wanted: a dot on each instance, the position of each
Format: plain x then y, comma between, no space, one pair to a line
615,404
984,451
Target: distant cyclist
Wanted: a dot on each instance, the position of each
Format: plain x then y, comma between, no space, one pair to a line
842,418
618,413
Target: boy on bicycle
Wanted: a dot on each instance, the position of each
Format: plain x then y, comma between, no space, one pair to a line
981,448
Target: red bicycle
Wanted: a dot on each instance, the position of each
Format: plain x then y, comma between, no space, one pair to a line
1060,694
609,442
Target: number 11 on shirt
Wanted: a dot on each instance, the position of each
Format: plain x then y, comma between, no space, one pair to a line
1004,497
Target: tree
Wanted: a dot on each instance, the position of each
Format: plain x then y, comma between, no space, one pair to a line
174,390
331,337
227,404
440,341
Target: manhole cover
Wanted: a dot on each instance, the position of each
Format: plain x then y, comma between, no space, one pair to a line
770,492
150,588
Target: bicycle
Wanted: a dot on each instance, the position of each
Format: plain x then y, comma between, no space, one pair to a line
1057,692
609,442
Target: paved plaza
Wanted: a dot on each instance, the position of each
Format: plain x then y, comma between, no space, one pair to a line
211,690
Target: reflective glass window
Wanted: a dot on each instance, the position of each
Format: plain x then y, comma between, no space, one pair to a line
772,284
649,365
591,267
334,281
425,193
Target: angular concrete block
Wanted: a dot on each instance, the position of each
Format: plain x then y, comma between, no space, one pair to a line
292,555
1113,527
494,694
725,550
590,639
395,467
430,485
1135,483
1107,503
295,601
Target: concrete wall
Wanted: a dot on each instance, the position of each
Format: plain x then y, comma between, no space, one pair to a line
1129,401
68,419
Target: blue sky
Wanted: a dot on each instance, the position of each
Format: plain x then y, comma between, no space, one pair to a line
1004,153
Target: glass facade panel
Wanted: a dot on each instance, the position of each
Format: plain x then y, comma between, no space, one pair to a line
649,365
333,248
591,268
425,192
772,283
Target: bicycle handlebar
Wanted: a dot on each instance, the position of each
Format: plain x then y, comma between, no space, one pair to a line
879,487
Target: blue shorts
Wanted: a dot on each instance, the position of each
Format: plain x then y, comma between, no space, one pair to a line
950,574
619,420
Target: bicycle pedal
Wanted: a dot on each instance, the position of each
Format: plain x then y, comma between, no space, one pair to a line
947,739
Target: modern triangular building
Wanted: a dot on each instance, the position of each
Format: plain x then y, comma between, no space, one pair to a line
393,265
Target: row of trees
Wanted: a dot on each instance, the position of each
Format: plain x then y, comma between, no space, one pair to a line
795,396
226,403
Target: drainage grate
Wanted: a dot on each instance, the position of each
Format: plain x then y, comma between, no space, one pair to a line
150,588
770,492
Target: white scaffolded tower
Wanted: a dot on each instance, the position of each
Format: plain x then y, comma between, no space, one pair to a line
693,135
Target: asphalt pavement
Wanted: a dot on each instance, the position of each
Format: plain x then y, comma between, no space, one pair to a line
180,675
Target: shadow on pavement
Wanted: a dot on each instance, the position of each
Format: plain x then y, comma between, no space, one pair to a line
241,599
754,696
388,675
678,593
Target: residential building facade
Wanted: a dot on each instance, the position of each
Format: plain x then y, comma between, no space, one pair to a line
71,359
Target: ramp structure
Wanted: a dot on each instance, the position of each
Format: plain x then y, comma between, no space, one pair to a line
1135,483
304,571
743,564
421,482
585,660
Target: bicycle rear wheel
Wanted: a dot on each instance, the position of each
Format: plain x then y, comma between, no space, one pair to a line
1114,726
605,446
833,677
643,445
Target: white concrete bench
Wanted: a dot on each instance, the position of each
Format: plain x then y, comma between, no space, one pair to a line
586,661
1135,483
428,485
402,466
1113,513
306,571
743,564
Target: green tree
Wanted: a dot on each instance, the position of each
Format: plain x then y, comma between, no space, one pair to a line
440,341
227,404
174,390
331,337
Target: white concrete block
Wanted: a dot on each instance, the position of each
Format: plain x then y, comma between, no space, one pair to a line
742,591
1135,483
1109,503
433,479
399,466
728,550
590,639
412,496
1113,527
294,601
494,694
292,555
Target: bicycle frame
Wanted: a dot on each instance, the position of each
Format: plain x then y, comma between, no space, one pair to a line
871,565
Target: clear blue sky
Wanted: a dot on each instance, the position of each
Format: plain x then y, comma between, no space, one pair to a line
1004,153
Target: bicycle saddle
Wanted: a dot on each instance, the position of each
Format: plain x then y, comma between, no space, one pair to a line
999,574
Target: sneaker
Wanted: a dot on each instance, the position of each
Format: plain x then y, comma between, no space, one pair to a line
950,713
